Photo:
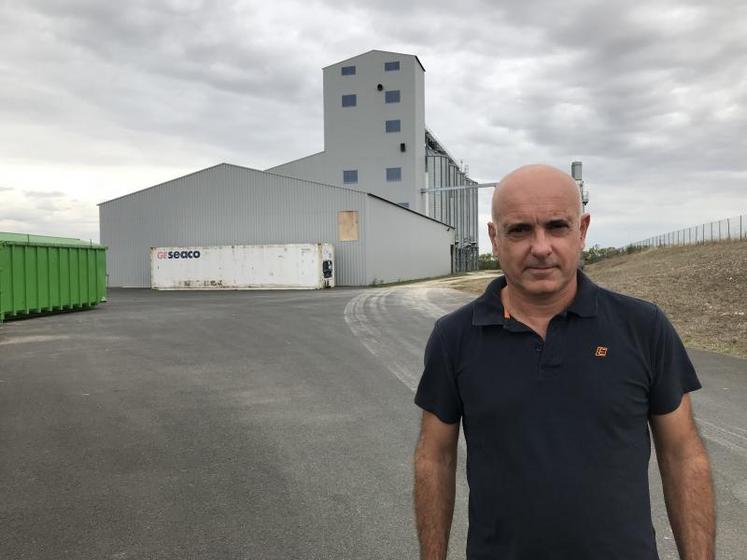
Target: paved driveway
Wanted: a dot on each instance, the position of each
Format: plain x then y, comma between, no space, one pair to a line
253,425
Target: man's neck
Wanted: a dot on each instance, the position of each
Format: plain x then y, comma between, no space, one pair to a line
537,312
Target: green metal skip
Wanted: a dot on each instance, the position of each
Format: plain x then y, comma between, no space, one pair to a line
40,274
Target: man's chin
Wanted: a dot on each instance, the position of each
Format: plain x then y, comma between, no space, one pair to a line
543,284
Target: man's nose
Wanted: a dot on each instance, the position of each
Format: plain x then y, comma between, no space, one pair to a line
541,244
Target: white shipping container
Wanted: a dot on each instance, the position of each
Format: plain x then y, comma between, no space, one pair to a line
303,266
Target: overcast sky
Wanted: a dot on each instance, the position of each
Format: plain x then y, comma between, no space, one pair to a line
98,99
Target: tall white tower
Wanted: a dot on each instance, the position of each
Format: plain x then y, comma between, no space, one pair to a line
374,124
374,128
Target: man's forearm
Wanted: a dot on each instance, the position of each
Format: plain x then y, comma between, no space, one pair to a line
435,484
688,492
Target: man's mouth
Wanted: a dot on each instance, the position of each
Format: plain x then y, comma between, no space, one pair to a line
541,267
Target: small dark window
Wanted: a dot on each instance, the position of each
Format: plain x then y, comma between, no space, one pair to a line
393,174
348,70
350,176
391,66
391,96
349,100
393,126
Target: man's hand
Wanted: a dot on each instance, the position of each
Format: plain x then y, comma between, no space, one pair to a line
686,477
435,484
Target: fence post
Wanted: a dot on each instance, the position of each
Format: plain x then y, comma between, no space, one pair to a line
740,227
728,228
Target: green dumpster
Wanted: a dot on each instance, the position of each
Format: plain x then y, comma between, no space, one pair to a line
42,274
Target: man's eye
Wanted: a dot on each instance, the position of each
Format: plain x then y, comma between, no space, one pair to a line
515,231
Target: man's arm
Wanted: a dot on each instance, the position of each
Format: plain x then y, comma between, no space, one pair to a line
435,485
686,477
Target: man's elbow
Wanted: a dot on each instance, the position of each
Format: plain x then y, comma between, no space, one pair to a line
429,459
692,457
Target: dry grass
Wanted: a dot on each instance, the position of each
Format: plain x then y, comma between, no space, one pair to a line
701,288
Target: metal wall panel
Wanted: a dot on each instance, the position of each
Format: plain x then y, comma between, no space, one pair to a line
225,205
402,245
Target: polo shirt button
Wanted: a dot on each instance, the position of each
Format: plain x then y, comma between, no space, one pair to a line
539,348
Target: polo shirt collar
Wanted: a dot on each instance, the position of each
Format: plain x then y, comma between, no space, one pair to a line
585,302
488,309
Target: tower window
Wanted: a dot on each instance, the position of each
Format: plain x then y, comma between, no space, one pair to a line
391,66
393,174
393,126
350,176
349,100
347,71
391,96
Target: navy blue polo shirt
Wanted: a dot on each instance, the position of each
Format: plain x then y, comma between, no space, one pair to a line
557,429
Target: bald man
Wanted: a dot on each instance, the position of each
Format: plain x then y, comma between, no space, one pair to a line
556,381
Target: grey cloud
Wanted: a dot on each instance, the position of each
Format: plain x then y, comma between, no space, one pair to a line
650,96
189,73
44,194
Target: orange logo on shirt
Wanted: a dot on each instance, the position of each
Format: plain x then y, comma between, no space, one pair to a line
601,352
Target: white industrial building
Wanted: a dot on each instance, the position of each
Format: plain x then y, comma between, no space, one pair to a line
376,140
366,192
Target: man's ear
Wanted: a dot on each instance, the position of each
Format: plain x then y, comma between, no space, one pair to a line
492,233
584,227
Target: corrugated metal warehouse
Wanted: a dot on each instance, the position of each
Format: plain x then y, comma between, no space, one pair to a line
375,240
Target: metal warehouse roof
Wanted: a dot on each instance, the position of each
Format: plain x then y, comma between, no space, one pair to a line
278,175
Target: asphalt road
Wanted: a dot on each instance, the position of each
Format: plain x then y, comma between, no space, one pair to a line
253,425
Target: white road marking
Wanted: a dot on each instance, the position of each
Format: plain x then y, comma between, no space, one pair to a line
366,316
373,338
35,338
726,436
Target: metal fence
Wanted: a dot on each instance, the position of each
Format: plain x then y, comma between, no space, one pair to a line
722,230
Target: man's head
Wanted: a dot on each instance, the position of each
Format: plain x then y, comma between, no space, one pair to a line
538,230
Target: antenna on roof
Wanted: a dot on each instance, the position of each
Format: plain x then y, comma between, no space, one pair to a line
577,174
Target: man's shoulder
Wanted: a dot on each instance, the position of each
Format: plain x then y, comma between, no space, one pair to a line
457,320
475,312
625,306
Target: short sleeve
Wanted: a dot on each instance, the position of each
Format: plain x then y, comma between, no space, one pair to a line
437,392
674,374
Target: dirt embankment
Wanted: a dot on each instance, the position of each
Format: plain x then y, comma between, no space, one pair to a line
701,288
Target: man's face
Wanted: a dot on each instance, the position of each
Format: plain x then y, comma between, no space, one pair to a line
538,233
